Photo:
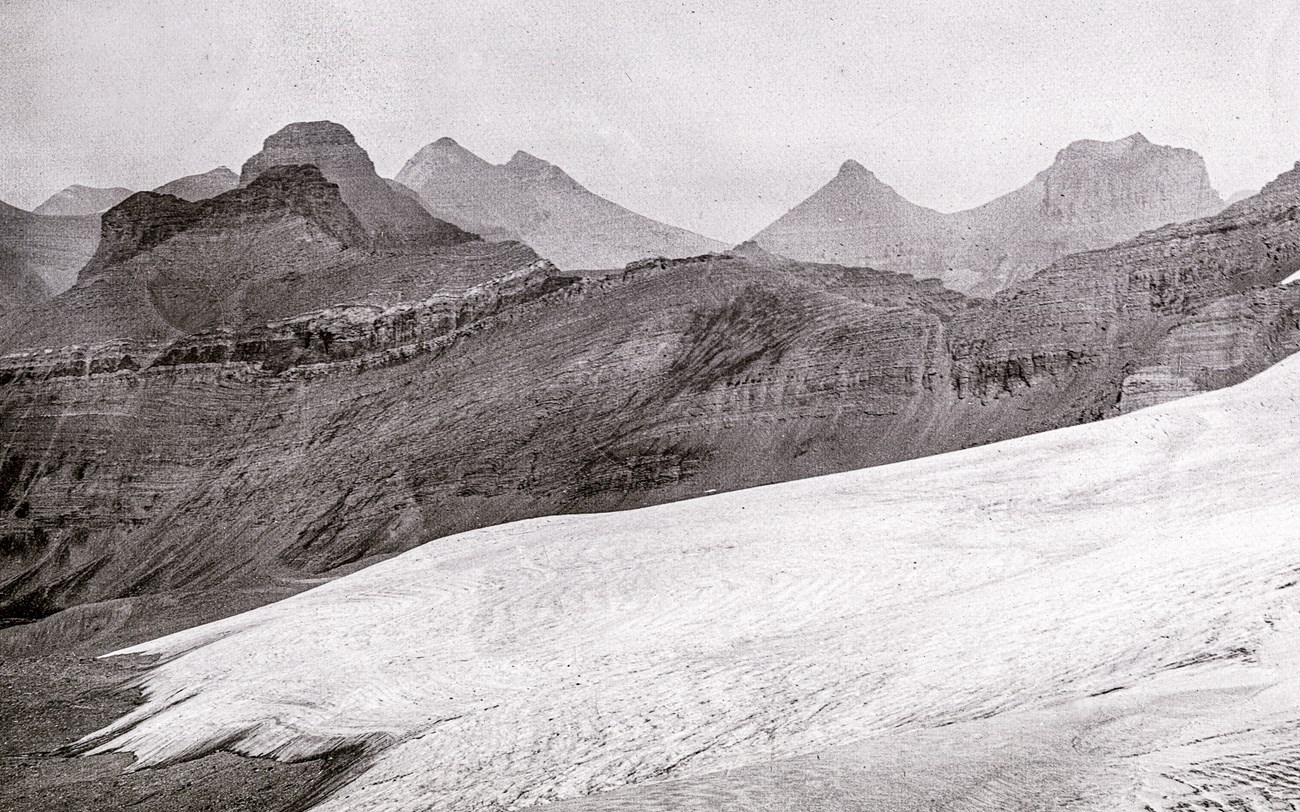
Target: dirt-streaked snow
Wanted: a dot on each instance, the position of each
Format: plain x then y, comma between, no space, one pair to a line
1106,613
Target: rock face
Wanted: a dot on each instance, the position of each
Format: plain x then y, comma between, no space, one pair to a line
1095,194
395,221
79,200
531,200
40,256
201,187
283,244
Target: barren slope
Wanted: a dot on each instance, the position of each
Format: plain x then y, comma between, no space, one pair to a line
1107,610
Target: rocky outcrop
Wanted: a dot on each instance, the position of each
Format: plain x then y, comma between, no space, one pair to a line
1095,194
77,200
394,220
200,187
534,201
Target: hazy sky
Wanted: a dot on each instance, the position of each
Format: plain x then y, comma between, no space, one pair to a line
714,116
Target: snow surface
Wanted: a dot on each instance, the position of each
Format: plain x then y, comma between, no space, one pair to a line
1295,277
1102,615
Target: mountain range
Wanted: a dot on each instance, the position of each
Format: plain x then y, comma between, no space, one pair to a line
237,396
535,202
1095,194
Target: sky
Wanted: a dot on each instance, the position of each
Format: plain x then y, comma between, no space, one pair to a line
713,116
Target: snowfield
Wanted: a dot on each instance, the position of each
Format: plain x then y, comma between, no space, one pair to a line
1101,617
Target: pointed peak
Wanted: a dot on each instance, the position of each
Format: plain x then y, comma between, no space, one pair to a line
446,141
523,160
852,167
1135,139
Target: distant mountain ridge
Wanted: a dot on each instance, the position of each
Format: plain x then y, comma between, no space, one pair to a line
1095,194
78,200
202,186
534,201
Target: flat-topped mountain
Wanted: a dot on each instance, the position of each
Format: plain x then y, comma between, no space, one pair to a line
394,220
202,186
534,201
1096,193
77,200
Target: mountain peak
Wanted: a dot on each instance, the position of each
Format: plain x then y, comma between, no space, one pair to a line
77,200
852,167
302,133
446,141
523,160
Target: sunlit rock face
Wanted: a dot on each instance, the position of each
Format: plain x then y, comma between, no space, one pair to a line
534,201
1096,193
1104,615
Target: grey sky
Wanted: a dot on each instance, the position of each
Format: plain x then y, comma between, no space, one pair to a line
713,116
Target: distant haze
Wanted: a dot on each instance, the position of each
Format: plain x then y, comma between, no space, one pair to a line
717,117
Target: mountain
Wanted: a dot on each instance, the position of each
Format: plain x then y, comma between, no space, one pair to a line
515,390
1241,194
395,221
283,244
40,256
1095,194
77,200
1097,615
536,202
201,187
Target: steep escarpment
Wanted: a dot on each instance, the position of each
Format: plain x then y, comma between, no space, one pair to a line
1095,193
534,201
393,220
